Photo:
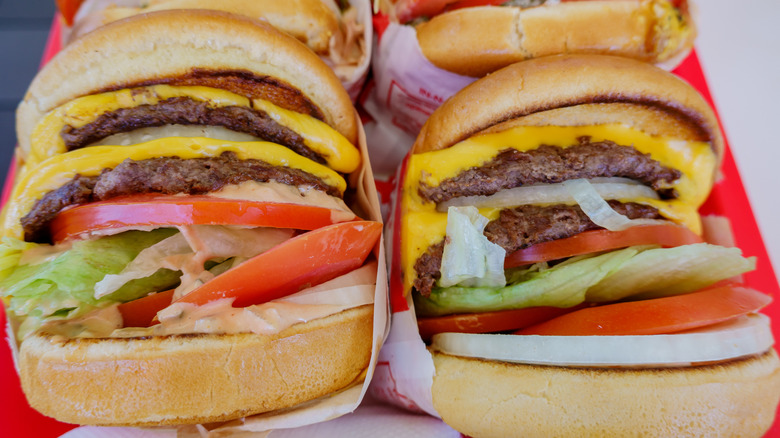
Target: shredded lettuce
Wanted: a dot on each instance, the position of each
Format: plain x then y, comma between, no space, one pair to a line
469,258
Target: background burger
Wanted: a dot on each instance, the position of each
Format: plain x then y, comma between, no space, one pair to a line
178,226
333,30
567,187
476,37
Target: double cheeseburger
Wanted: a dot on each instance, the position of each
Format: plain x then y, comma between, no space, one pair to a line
551,244
476,37
179,245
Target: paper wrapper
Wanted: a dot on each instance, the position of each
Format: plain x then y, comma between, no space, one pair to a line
372,419
405,90
353,77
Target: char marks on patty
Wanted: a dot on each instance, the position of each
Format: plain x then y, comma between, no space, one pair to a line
552,164
164,175
185,111
520,227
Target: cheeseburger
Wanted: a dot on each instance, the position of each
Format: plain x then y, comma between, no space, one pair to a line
551,244
182,242
476,37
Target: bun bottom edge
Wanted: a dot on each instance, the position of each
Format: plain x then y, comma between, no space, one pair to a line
190,379
481,398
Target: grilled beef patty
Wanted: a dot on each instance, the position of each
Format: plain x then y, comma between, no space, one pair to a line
185,111
520,227
553,164
165,175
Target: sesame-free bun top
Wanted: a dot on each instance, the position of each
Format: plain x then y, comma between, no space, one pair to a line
192,47
574,90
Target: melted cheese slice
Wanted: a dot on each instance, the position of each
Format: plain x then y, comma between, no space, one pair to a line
423,226
46,140
60,169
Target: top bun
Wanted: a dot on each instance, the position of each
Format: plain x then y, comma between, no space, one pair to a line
313,22
161,47
574,90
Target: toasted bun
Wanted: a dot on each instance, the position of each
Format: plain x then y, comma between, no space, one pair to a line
493,399
310,21
172,46
194,378
645,30
565,90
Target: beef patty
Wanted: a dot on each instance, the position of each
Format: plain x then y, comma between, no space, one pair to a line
164,175
520,227
185,111
552,164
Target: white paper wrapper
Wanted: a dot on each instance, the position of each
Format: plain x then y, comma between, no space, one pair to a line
406,89
372,418
404,373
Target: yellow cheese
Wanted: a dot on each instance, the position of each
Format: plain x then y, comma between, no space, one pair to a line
59,169
46,140
423,226
338,152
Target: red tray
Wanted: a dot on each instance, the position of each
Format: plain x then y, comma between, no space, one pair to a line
728,199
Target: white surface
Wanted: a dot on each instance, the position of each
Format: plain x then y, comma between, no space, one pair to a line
738,46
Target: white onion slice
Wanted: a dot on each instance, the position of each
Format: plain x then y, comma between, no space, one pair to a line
607,188
142,135
597,209
744,336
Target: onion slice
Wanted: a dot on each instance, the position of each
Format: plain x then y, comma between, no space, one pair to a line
606,188
743,336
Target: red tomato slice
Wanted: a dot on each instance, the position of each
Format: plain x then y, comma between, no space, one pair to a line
489,322
306,260
656,316
68,9
141,312
153,210
666,236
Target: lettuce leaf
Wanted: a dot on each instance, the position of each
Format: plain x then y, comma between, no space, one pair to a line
63,286
637,272
563,285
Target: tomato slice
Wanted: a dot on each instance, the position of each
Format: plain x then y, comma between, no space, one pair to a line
489,322
667,236
656,316
306,260
141,312
156,210
68,9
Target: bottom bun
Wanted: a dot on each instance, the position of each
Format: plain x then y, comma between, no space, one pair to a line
483,398
194,378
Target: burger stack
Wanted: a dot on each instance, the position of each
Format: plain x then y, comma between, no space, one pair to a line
550,243
189,238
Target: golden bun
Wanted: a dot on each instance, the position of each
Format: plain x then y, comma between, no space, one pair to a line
184,379
310,21
574,90
495,399
646,30
172,46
